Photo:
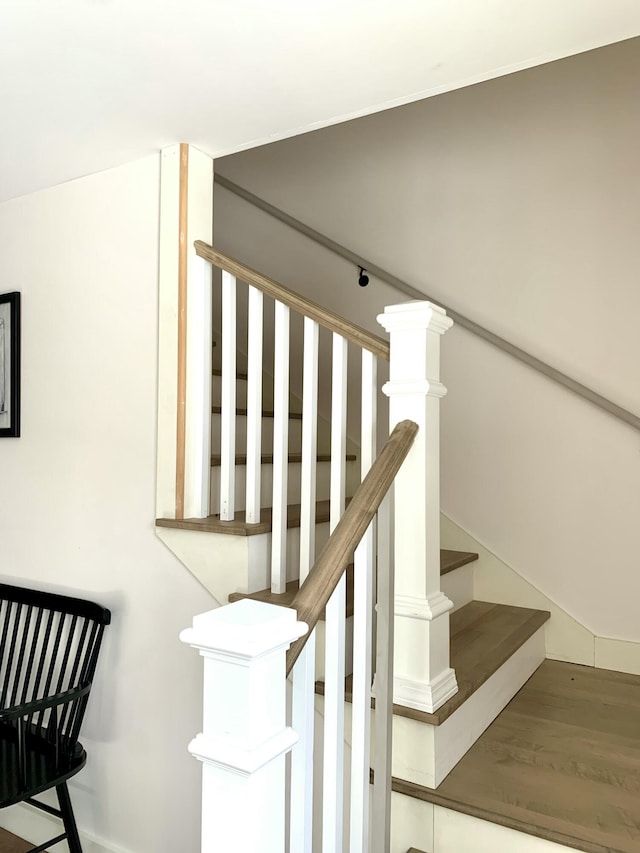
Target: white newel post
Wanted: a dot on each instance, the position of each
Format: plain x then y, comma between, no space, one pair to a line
423,678
245,738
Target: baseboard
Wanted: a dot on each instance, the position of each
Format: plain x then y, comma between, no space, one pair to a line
36,827
621,655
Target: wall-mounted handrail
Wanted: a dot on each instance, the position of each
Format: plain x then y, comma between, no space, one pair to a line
312,597
322,316
470,325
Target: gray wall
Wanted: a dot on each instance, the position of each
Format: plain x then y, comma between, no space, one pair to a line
515,201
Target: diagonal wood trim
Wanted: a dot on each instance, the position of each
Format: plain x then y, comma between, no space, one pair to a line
323,316
321,581
181,416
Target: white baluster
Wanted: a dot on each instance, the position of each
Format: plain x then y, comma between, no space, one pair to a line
383,685
228,399
302,720
280,449
309,447
244,739
198,438
303,705
333,782
364,566
254,406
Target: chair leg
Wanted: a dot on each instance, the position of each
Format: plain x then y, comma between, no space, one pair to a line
68,819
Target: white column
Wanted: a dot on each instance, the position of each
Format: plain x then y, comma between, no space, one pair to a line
245,738
423,678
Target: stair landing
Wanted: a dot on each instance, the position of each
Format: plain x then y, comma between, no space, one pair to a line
561,762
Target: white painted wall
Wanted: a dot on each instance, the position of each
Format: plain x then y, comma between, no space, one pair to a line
516,202
78,491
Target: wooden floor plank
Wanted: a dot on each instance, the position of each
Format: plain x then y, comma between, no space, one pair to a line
561,762
10,843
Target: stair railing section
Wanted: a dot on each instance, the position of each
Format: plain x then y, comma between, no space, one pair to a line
245,735
231,457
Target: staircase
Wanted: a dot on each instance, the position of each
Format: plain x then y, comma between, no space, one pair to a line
494,747
494,648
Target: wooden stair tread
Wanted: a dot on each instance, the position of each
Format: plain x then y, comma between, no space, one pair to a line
239,527
285,599
483,637
561,762
449,560
267,458
266,413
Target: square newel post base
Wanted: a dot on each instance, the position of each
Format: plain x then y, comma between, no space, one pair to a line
245,736
423,678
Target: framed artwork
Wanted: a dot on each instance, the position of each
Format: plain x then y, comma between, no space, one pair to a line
9,365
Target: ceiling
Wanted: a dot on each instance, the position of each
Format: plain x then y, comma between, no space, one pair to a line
90,84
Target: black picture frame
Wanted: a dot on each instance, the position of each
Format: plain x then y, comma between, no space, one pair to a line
9,365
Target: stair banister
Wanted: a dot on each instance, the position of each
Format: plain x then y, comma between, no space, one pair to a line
423,678
313,595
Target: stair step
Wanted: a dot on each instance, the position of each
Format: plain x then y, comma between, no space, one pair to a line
242,413
239,527
483,637
452,560
560,763
267,458
449,560
285,599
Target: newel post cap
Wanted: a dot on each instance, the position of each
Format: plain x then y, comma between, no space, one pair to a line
415,315
246,629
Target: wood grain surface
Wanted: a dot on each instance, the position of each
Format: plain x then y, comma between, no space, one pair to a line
10,843
561,762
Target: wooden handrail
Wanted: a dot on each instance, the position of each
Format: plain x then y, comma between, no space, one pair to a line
322,316
315,592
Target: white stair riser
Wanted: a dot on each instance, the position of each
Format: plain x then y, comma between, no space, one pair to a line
425,754
259,556
241,391
458,586
295,434
323,478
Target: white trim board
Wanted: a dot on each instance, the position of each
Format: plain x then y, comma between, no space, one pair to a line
455,832
36,827
566,638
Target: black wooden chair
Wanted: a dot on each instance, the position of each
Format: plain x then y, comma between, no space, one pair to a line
49,648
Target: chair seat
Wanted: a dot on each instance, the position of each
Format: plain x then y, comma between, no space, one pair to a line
43,770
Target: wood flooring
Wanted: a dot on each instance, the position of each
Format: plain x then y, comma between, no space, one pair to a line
12,844
561,762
